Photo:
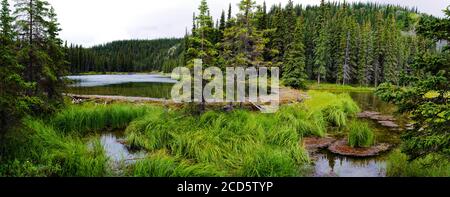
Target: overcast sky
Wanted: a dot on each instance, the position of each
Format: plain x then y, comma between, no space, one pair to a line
92,22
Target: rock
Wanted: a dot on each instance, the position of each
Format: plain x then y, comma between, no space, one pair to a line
122,141
368,114
383,118
228,108
314,143
342,148
409,127
389,124
396,129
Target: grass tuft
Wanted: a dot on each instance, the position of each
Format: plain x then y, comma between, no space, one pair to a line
360,135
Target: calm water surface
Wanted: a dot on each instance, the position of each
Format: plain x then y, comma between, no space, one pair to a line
327,164
135,85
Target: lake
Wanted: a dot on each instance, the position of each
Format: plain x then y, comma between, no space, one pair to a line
135,85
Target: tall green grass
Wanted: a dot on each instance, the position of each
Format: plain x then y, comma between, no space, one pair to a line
89,118
360,135
240,143
335,108
39,150
161,164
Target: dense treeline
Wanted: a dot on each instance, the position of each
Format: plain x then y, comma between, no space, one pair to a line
127,56
364,44
360,43
32,61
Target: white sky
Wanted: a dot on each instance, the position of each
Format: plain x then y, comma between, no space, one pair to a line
91,22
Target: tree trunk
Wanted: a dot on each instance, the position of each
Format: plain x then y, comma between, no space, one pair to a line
318,79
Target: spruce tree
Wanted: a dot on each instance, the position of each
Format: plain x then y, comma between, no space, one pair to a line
365,68
229,17
13,102
294,73
243,44
321,51
379,50
391,64
202,41
262,17
40,51
278,37
57,67
222,25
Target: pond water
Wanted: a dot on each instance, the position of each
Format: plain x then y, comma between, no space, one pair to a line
331,165
119,155
134,85
327,164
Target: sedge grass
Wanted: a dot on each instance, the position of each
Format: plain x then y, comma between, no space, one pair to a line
39,150
89,118
360,135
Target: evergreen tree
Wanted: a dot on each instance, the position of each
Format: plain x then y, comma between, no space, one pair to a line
13,102
202,42
277,42
262,18
40,51
391,64
379,50
244,44
222,25
57,67
229,17
290,21
322,54
295,75
365,69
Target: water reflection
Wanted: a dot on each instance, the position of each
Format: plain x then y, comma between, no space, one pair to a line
103,80
151,90
135,85
328,165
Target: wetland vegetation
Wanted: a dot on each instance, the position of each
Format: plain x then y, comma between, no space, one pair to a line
366,58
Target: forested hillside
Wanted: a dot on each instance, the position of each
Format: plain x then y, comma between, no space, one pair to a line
362,43
127,56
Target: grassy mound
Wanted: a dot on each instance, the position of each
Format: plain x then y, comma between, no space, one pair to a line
360,135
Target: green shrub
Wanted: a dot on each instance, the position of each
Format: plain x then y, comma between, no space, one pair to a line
398,165
360,135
